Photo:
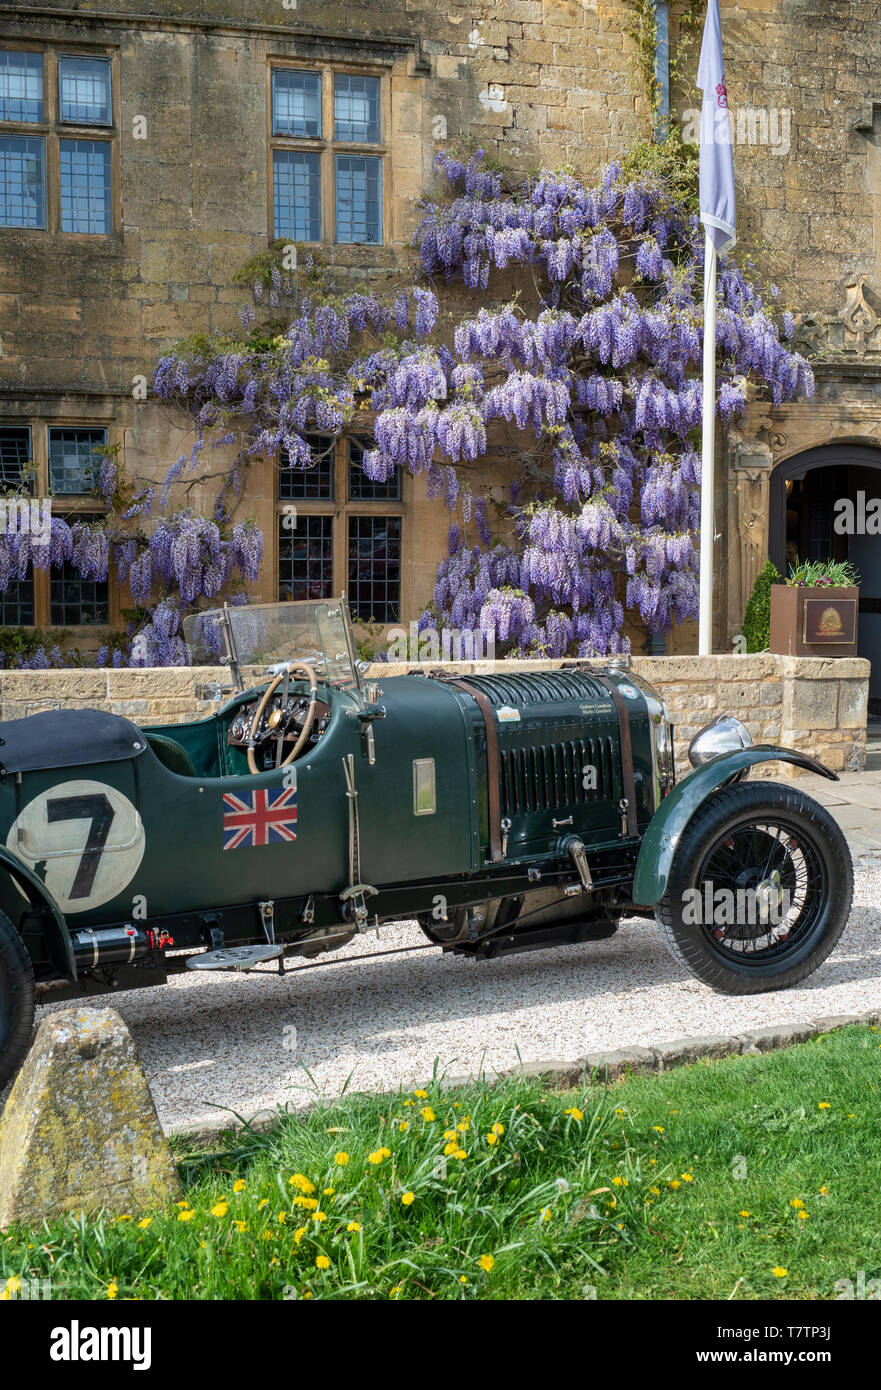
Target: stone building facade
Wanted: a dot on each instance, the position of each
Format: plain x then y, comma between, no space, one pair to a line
156,145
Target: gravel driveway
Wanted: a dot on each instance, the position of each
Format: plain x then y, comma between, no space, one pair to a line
247,1043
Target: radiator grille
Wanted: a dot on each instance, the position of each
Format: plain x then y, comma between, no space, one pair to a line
542,688
549,776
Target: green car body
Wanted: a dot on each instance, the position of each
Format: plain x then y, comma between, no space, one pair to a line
504,812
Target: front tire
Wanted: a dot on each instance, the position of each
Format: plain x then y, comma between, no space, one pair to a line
16,1000
781,860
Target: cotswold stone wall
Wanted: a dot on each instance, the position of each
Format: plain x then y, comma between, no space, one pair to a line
809,703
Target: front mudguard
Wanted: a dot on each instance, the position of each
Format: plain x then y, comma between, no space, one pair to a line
676,810
58,942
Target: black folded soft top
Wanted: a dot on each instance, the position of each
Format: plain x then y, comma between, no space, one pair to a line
67,738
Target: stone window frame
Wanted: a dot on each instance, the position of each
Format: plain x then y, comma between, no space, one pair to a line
340,508
327,147
52,130
69,505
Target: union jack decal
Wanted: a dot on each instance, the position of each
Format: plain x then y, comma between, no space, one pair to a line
264,817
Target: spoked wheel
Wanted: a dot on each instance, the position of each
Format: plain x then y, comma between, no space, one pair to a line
16,1000
760,889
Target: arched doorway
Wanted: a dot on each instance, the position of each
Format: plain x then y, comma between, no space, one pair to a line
802,526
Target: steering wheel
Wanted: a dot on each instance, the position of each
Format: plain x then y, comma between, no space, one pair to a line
301,669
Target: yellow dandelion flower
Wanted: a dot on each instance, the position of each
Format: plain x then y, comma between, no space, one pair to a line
500,1129
282,1218
687,1177
145,1222
322,1262
328,1192
655,1191
464,1125
408,1199
824,1192
219,1209
302,1183
268,1235
462,1279
574,1112
492,1139
183,1205
460,1154
779,1272
299,1233
797,1203
126,1217
450,1148
241,1227
546,1214
427,1114
804,1216
744,1214
13,1286
449,1134
659,1129
319,1216
675,1183
378,1155
112,1289
616,1181
354,1226
186,1215
421,1095
310,1203
486,1263
404,1126
393,1293
823,1105
263,1203
341,1158
239,1185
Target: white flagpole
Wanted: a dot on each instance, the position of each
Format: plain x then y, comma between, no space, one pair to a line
708,454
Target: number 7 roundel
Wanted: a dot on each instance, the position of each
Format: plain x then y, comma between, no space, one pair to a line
84,839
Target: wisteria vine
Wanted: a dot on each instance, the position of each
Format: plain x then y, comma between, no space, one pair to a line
584,382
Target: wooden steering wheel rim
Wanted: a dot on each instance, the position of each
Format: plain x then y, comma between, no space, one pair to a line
302,668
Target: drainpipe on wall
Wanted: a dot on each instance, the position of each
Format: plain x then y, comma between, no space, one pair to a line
662,68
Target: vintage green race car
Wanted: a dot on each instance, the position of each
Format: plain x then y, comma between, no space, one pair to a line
504,812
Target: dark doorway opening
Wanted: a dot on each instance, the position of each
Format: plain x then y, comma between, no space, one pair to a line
802,526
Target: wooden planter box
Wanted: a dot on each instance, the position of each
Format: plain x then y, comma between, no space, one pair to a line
820,621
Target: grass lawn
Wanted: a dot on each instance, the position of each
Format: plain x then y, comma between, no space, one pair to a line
751,1177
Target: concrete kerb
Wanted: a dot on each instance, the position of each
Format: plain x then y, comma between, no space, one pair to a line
594,1068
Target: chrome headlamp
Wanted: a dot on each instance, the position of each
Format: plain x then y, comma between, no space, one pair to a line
725,735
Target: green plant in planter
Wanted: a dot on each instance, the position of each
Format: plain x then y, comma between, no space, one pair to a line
757,619
823,574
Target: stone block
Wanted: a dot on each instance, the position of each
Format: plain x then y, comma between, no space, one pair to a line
611,1066
853,698
812,704
681,1051
80,1130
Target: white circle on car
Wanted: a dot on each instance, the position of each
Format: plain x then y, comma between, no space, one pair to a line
84,840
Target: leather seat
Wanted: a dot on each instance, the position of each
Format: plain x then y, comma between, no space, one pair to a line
172,754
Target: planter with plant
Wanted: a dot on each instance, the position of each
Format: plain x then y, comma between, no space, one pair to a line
815,612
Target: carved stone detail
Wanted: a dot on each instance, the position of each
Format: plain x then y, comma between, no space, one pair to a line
855,331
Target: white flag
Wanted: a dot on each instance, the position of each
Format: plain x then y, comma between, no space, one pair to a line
718,212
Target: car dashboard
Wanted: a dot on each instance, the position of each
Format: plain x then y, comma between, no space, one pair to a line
281,720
